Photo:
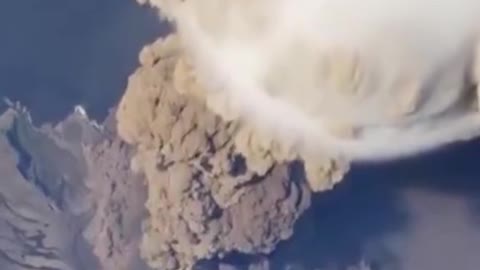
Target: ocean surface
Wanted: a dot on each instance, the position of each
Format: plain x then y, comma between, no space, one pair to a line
55,54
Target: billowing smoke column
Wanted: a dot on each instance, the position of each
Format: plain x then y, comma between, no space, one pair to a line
368,79
250,105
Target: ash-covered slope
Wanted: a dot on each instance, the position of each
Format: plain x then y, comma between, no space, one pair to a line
39,199
68,199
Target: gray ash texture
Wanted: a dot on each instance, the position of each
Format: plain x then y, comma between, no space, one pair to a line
68,198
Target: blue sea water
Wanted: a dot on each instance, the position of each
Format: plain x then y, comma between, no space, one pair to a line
55,54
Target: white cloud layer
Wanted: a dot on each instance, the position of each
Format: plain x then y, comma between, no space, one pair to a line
370,79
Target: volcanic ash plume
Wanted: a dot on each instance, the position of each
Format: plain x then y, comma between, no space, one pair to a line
346,78
251,105
214,186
